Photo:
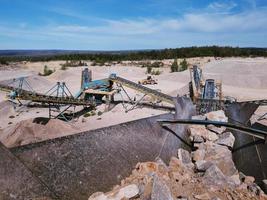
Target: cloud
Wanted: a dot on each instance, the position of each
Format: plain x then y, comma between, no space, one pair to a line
252,21
244,28
221,6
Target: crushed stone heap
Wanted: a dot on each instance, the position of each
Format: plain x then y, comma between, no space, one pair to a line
206,173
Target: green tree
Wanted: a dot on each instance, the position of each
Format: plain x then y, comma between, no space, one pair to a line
174,66
184,65
47,71
148,69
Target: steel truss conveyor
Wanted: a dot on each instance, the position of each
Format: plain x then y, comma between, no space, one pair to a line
42,98
145,90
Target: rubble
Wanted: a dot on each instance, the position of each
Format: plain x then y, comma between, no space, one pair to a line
160,190
216,116
201,131
202,165
198,155
126,192
184,156
206,173
226,139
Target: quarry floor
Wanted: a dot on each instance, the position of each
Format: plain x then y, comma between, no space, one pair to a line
242,78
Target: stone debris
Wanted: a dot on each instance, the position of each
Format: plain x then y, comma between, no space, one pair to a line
198,155
184,156
216,116
206,173
201,131
202,165
226,139
214,177
126,192
199,117
160,190
197,139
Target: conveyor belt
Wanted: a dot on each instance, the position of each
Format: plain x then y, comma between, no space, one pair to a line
143,89
247,130
41,98
262,102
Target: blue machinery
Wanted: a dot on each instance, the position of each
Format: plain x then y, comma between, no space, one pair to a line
206,94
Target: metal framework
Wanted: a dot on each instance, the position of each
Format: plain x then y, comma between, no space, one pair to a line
247,130
56,109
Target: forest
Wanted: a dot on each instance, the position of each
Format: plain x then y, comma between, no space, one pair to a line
105,56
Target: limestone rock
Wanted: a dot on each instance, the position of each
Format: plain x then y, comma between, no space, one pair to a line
197,130
235,179
216,129
211,136
203,165
249,179
184,156
125,192
198,154
199,117
214,177
98,196
198,139
226,139
204,196
160,190
218,115
221,156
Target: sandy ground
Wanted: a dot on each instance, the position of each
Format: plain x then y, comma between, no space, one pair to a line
242,78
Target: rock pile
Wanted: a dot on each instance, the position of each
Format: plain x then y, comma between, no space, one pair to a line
206,173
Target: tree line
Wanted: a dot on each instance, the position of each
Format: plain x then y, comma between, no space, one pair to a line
186,52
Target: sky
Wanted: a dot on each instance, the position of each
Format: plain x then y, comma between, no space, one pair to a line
131,24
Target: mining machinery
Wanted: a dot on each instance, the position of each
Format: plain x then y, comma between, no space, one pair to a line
59,99
206,94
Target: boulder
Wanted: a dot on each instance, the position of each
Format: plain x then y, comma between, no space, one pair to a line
199,117
216,129
235,179
226,139
198,139
221,156
198,154
218,115
160,190
198,130
202,165
98,196
125,192
214,177
184,156
211,136
249,180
